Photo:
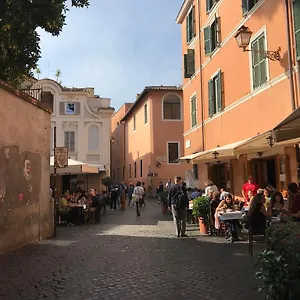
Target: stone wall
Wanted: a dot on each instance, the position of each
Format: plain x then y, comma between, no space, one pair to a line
26,211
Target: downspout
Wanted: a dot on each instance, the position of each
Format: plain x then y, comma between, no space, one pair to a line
200,74
290,63
124,148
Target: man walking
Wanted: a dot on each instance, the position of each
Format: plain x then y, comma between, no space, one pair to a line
178,203
95,203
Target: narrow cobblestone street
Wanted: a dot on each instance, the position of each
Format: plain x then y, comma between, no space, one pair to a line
129,258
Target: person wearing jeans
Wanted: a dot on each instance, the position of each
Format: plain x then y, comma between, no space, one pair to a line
138,195
179,214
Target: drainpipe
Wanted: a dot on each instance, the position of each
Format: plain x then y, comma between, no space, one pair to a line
290,62
200,74
123,167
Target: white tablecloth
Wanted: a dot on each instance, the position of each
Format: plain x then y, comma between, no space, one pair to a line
233,215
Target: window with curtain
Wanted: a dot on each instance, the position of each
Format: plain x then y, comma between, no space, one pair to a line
172,108
70,140
93,138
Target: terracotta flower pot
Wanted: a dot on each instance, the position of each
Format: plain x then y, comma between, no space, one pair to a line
202,226
164,208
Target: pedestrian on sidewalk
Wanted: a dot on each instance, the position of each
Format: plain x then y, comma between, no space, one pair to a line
130,193
122,194
144,195
95,203
113,198
178,202
138,195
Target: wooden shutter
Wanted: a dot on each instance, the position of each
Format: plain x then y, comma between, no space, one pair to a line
194,21
245,6
187,20
219,92
208,5
218,31
62,108
207,40
211,106
296,9
193,111
185,66
262,60
190,62
77,108
255,64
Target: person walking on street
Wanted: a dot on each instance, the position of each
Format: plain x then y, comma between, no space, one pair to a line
143,198
113,198
138,195
130,193
122,194
178,202
95,203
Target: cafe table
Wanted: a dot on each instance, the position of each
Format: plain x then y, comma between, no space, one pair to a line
78,212
230,215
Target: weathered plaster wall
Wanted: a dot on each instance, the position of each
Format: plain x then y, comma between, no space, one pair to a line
26,211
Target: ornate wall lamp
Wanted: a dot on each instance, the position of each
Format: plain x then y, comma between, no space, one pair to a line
270,140
243,37
215,154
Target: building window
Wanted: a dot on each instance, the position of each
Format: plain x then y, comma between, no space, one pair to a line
93,141
296,9
210,4
118,174
134,123
189,63
212,36
194,111
70,140
130,171
259,62
247,5
146,113
195,171
69,108
114,174
123,173
135,169
173,152
141,168
190,25
172,108
47,98
215,94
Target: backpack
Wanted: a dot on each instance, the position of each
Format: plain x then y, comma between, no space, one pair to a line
179,200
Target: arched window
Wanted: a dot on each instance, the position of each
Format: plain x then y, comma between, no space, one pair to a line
94,138
172,108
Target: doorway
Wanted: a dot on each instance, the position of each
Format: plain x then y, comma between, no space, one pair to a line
271,172
65,183
217,174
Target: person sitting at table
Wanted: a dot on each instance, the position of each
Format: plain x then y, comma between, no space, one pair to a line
258,214
277,203
267,194
63,207
293,208
225,205
213,206
195,194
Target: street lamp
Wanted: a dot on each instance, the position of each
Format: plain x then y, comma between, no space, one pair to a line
270,140
112,140
215,154
243,37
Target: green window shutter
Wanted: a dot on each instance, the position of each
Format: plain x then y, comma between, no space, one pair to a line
218,31
190,62
211,100
187,20
245,6
193,22
193,111
255,64
262,60
219,91
207,40
296,9
185,66
208,5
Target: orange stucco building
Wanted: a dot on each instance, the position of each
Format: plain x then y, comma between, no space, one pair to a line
234,98
153,137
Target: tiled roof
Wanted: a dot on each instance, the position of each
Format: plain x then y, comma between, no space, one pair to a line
145,91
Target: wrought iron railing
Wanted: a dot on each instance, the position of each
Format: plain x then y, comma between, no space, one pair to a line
34,92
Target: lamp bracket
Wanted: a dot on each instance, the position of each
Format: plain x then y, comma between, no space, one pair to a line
272,55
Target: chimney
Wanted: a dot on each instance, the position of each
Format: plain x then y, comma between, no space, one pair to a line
137,95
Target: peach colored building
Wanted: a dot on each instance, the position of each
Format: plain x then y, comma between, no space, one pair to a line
118,144
232,99
154,137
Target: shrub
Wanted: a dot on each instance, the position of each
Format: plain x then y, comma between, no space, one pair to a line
201,208
279,264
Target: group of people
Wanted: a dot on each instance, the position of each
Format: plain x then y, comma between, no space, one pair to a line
258,204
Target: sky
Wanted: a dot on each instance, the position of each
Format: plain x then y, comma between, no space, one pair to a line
118,47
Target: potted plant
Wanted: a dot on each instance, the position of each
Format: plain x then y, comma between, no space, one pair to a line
201,211
163,198
278,264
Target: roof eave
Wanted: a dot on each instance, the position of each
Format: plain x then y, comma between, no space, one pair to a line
183,11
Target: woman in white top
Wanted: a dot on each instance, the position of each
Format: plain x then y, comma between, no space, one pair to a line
138,196
210,187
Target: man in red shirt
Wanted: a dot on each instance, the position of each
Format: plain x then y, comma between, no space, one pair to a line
249,186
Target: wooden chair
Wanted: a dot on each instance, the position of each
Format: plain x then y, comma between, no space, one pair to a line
255,238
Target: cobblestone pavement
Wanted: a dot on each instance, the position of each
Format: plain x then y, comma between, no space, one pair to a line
125,257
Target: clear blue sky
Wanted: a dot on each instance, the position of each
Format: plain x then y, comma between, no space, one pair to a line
118,47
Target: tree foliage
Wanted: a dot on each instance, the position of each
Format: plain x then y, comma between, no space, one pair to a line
19,40
107,181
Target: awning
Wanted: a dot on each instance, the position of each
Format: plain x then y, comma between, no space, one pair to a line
289,128
191,156
101,168
74,167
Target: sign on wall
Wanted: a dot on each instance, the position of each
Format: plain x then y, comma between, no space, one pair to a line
61,157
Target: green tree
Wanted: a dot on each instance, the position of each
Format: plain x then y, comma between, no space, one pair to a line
38,72
107,182
19,40
57,75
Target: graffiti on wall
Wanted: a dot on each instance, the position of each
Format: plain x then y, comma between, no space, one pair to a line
20,177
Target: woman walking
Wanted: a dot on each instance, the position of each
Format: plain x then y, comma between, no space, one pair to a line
138,196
